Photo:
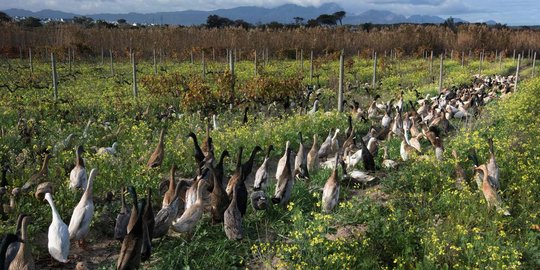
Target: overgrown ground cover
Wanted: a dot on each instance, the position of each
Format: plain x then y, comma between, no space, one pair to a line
417,217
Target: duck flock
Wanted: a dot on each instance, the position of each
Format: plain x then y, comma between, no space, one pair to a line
184,202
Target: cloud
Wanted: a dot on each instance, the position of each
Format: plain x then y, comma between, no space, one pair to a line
516,11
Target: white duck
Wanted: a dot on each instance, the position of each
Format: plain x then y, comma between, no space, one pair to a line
77,177
58,234
108,150
79,225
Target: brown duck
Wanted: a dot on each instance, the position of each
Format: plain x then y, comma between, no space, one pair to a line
157,156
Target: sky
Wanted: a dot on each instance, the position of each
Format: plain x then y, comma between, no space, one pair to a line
511,12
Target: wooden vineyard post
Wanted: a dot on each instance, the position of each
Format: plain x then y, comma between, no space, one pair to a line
431,64
213,54
231,69
266,57
134,65
30,60
480,63
155,64
102,55
191,56
533,65
340,87
69,59
255,64
111,62
514,56
517,72
311,67
500,61
302,60
374,81
462,58
441,74
203,65
54,77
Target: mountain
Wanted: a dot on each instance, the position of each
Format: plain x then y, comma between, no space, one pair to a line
251,14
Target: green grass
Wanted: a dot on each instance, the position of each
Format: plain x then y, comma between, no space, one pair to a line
423,222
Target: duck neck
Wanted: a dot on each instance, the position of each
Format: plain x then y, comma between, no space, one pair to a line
89,186
55,214
45,166
79,159
161,137
171,178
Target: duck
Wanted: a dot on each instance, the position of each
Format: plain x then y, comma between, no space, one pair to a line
358,176
300,162
388,163
191,216
77,176
261,176
168,197
219,200
492,167
24,258
122,219
157,156
108,150
324,149
13,248
367,157
330,197
350,129
490,194
148,226
130,253
242,193
41,189
167,214
373,146
39,176
58,243
237,173
314,108
285,180
207,146
232,219
64,144
6,241
313,156
134,208
259,200
406,149
219,169
198,153
79,225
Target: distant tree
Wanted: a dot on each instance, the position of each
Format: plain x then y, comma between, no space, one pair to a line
4,17
121,21
215,21
243,24
450,24
326,19
30,22
274,25
83,20
367,26
104,24
339,16
298,20
312,23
